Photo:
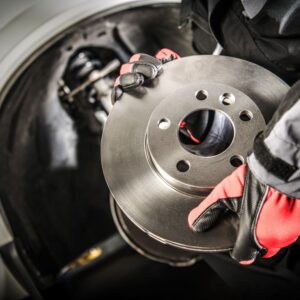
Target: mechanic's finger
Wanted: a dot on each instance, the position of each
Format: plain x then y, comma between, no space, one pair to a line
116,94
208,218
130,81
167,54
149,70
135,57
117,81
125,82
146,58
245,255
224,196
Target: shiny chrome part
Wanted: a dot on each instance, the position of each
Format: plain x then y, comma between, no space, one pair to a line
92,79
145,183
218,50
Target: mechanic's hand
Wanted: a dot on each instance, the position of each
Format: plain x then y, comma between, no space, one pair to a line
269,220
141,68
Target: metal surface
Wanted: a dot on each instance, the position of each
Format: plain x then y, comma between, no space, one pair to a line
164,147
94,76
144,183
147,246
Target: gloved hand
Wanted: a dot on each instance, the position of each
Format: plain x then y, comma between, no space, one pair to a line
268,219
143,68
140,68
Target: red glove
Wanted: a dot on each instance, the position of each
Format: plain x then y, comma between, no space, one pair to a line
140,68
268,219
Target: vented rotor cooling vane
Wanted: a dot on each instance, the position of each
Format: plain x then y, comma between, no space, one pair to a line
166,146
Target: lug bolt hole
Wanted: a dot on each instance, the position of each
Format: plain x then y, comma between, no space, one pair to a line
183,166
227,99
236,160
164,124
201,95
246,115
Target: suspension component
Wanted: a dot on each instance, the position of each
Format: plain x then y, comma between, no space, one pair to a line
87,82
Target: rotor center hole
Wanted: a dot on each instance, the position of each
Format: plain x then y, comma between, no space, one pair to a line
206,132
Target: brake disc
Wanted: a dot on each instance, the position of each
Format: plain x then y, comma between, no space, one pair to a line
153,177
149,247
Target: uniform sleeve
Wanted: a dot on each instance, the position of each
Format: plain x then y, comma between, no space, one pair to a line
275,160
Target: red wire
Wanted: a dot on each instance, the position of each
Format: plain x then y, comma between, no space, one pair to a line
194,139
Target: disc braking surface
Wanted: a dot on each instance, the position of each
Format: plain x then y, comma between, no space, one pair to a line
152,175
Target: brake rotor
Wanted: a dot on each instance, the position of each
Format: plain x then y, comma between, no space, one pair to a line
147,246
153,177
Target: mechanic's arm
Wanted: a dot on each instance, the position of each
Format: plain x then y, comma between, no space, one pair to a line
265,192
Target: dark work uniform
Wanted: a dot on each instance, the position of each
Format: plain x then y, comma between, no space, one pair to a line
266,33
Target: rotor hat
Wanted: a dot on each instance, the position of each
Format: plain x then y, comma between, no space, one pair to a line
155,176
